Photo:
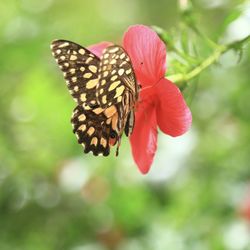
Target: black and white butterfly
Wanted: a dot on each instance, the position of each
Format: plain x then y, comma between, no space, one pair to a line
105,90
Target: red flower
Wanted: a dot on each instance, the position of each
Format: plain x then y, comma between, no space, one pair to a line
161,103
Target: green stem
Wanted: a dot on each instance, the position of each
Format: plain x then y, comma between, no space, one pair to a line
221,49
171,47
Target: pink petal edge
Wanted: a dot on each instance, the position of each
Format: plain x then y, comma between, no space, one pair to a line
99,47
173,115
144,137
147,52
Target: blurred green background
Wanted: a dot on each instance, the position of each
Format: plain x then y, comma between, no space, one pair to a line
52,196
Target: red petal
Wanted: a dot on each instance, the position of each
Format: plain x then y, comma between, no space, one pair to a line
147,52
98,48
173,115
144,137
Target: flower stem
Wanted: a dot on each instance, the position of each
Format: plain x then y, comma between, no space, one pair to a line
221,49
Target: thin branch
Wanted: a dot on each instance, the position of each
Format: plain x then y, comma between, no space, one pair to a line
221,49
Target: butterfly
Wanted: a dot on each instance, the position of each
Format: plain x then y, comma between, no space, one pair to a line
105,91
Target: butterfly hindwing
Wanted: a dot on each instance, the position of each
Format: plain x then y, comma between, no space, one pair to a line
80,69
94,129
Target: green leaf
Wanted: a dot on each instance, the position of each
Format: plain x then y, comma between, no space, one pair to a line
189,90
229,19
185,41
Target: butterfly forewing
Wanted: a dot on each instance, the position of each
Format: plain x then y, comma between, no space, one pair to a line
80,69
116,76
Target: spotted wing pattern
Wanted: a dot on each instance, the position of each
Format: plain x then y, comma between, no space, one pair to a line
98,121
117,87
80,69
93,130
116,76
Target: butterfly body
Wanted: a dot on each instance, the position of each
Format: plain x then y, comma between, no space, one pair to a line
105,90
